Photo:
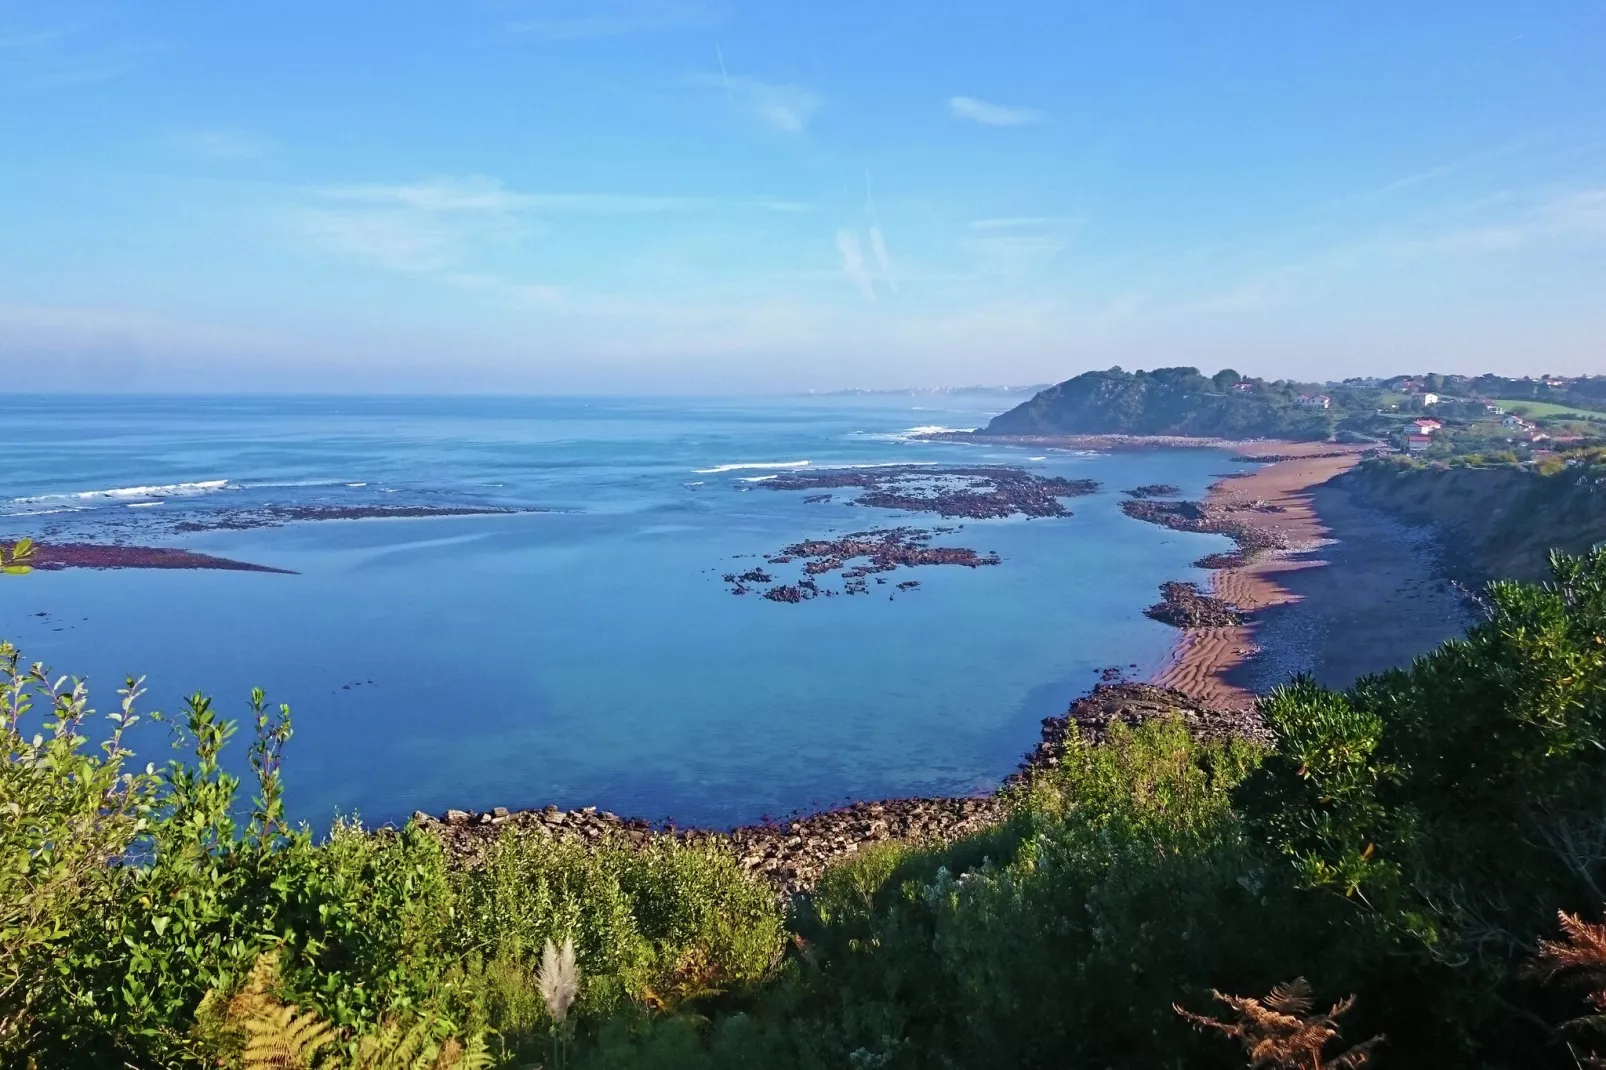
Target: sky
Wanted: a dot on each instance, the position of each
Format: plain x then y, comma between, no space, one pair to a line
719,196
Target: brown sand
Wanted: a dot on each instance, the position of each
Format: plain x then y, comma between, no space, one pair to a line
1355,592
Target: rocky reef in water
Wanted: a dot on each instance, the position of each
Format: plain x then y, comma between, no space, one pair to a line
1206,519
977,492
1184,605
792,854
277,515
1155,490
857,558
52,557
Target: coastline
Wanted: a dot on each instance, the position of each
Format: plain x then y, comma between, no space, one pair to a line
1352,591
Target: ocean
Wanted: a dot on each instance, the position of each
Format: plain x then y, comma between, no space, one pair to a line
588,651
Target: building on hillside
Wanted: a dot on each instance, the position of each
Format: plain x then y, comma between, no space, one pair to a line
1315,401
1514,422
1426,426
1418,443
1538,436
1491,407
1243,387
1430,398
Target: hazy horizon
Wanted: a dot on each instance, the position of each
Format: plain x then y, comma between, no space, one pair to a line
678,197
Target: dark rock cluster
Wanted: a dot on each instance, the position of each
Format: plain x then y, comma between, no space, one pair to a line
975,492
1091,716
1183,605
275,515
1154,490
790,855
857,557
60,555
1203,518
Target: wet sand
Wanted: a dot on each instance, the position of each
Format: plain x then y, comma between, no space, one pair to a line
1356,592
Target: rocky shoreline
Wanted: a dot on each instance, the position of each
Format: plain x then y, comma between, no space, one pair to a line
792,854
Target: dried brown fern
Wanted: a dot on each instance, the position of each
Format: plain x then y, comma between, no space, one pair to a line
1279,1032
1578,958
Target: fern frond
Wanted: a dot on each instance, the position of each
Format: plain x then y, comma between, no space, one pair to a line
1278,1032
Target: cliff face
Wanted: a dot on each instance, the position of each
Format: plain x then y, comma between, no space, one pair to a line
1166,401
1501,523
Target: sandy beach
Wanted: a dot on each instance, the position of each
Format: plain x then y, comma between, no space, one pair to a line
1355,592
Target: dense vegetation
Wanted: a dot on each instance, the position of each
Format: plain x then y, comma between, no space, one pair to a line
1409,840
1486,414
1168,401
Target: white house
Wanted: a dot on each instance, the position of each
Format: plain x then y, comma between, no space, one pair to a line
1426,426
1430,398
1315,401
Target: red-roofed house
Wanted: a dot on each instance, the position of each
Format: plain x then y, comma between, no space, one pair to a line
1418,443
1425,426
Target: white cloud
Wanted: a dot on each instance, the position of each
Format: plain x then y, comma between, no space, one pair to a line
853,265
397,241
980,111
481,194
1018,245
1023,222
878,246
222,144
787,108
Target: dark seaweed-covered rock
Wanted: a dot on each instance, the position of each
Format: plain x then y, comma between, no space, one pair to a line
1154,490
977,492
1183,605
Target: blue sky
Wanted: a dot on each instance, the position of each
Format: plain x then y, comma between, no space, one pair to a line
712,195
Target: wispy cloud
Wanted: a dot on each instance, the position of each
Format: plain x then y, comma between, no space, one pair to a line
853,265
980,111
878,247
482,194
597,19
1024,222
783,107
1018,245
76,52
397,242
221,143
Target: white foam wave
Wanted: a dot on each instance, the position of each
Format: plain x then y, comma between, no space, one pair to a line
356,484
908,434
1037,458
718,468
166,490
877,464
143,505
936,429
757,479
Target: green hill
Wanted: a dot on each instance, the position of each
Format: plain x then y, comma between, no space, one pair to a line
1170,401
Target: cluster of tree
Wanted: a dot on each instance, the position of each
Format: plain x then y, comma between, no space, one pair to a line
1173,401
1409,841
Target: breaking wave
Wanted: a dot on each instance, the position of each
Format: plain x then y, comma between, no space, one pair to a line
718,468
166,490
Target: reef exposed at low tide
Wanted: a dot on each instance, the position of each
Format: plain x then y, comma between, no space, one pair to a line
858,559
974,492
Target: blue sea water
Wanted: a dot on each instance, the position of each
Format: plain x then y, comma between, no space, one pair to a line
587,653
